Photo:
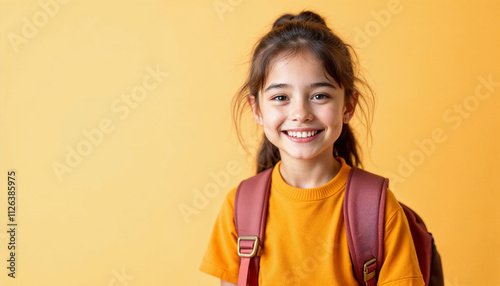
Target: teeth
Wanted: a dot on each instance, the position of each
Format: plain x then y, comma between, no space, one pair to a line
302,134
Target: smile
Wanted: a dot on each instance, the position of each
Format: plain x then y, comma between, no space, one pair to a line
303,134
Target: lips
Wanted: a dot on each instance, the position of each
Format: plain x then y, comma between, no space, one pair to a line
302,135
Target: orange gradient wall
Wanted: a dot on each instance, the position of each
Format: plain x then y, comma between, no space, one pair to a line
115,117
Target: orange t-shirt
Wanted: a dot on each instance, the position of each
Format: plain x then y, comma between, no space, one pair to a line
305,240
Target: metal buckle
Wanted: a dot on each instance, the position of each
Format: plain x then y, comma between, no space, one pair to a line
367,276
256,246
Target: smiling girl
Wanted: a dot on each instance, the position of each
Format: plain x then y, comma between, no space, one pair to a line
303,91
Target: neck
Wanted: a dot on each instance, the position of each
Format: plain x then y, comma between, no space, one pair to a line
306,174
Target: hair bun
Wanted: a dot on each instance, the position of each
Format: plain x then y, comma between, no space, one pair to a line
306,16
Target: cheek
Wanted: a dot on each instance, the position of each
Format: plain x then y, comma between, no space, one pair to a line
331,115
273,117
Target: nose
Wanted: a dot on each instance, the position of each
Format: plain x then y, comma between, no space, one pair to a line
301,111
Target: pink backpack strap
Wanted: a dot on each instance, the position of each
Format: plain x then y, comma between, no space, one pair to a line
250,210
364,212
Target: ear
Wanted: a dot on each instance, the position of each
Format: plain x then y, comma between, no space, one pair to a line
252,101
349,107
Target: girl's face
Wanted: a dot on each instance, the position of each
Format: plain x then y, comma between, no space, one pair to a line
301,108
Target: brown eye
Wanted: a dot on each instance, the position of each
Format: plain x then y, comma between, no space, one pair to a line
280,98
320,96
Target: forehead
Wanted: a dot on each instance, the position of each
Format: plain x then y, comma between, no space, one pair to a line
296,69
283,60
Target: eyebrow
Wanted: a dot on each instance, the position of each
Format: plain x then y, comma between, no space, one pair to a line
286,85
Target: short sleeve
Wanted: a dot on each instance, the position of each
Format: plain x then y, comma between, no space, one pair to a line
400,259
221,258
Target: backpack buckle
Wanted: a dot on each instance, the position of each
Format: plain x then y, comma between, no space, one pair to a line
255,248
369,265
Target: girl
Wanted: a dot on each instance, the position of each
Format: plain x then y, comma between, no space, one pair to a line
303,91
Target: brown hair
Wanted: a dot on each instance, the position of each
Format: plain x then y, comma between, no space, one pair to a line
292,34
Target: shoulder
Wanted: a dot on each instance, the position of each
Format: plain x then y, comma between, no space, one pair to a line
229,199
364,178
392,206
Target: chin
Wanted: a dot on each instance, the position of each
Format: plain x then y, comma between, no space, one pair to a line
309,155
303,156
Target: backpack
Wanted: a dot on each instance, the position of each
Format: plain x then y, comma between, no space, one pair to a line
364,213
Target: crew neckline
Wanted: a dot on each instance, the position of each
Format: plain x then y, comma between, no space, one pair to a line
329,189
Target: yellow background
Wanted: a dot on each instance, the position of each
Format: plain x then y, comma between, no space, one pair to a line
116,218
